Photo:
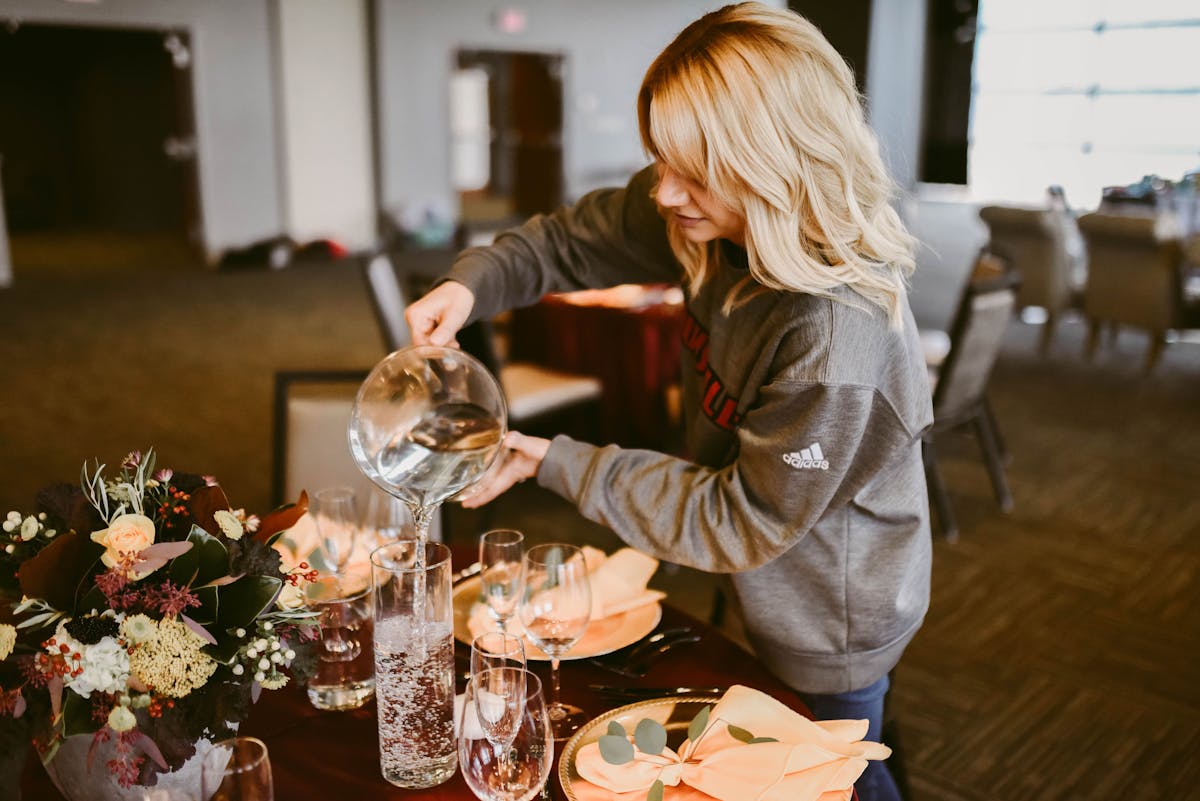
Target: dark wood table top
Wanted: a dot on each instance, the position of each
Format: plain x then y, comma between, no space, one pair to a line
316,754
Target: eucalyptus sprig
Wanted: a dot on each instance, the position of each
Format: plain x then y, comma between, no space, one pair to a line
650,737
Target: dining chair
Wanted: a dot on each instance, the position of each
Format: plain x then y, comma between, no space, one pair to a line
311,449
960,382
1036,241
539,398
1135,278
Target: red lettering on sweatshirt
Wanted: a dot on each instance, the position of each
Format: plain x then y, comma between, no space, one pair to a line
717,405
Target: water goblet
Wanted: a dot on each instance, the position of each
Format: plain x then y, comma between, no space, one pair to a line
237,769
334,512
555,609
519,771
500,553
496,649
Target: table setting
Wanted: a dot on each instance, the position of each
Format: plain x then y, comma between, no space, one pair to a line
498,669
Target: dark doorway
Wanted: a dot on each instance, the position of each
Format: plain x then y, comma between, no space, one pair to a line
97,136
525,114
950,56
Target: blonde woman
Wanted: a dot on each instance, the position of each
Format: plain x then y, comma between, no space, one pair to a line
803,382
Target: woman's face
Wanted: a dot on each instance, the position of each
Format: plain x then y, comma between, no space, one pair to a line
700,216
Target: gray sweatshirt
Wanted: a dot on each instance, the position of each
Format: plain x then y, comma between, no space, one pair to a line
803,419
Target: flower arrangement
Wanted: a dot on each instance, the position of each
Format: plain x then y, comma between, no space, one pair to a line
144,610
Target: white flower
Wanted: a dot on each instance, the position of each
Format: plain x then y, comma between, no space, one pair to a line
121,719
29,528
290,597
8,525
8,639
231,527
139,629
105,669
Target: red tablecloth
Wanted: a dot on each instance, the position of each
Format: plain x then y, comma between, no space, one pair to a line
634,351
318,754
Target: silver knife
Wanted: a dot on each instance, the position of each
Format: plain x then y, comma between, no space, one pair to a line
653,692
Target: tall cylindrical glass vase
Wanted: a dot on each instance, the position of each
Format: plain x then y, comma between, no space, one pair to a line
414,663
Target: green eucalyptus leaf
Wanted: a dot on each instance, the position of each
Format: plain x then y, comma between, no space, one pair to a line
650,736
225,650
764,740
616,729
616,750
738,733
699,723
655,793
271,540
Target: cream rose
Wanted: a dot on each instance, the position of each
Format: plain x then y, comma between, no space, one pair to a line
231,527
126,535
8,640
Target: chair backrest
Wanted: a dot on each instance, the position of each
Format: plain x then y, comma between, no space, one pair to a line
1035,241
983,313
311,448
1134,273
388,299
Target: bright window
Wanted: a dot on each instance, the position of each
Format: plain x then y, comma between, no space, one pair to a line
1083,93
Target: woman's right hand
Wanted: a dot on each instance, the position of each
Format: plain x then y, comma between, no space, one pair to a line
436,318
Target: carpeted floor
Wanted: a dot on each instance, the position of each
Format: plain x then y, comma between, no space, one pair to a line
1059,658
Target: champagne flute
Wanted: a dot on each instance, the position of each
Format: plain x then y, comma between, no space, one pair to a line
522,771
333,510
496,649
500,553
555,608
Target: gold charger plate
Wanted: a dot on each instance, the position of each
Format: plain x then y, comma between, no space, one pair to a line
601,637
673,713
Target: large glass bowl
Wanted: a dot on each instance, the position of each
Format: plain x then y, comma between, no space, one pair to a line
427,422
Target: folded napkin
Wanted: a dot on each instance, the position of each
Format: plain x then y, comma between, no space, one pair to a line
302,543
811,760
618,584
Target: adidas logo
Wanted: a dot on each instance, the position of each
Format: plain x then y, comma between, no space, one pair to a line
809,458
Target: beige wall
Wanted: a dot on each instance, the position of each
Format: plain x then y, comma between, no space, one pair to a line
325,108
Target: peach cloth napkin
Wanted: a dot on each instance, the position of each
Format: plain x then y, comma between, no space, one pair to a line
813,760
618,584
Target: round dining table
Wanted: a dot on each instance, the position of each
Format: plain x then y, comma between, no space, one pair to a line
320,754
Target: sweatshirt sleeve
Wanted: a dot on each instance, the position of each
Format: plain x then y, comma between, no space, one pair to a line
609,237
745,514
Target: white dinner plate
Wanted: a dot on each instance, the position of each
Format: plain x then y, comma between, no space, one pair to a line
602,636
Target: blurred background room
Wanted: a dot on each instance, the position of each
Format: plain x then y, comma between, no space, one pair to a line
190,191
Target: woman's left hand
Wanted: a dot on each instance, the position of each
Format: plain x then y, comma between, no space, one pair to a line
520,460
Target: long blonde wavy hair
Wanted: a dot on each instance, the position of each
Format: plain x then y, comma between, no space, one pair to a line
754,104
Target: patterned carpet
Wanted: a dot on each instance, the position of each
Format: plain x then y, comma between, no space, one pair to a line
1058,661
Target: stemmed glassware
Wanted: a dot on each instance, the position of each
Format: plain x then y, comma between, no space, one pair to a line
518,770
555,608
495,649
385,519
336,516
237,769
500,553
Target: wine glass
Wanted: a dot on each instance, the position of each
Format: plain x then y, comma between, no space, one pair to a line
555,608
496,649
386,517
333,510
500,553
520,770
426,423
237,769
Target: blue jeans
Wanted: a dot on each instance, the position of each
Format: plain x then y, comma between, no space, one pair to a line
876,783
